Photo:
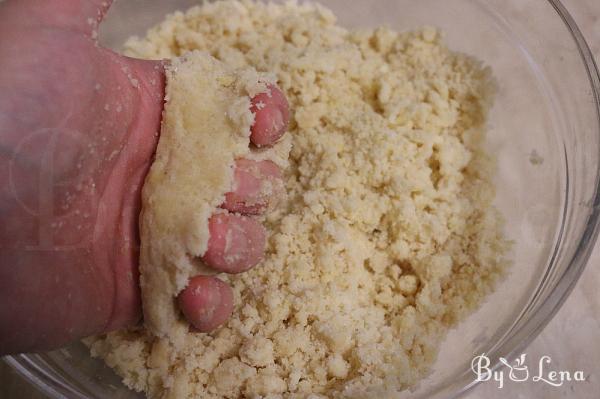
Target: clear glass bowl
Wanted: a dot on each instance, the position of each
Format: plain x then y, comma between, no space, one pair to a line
544,132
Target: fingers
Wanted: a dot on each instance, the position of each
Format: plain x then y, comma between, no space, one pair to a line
206,303
257,186
271,117
236,243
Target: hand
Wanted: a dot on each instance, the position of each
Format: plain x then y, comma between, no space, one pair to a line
78,128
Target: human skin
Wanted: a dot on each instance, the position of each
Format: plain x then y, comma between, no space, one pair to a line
79,125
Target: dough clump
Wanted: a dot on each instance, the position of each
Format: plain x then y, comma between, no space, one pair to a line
205,128
388,236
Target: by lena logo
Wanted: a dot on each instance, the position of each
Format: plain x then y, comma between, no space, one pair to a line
520,372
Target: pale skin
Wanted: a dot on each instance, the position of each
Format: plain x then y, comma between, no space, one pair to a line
78,129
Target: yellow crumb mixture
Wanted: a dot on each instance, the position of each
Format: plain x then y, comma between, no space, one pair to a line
388,236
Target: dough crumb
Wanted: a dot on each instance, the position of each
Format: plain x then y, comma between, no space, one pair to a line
535,158
388,236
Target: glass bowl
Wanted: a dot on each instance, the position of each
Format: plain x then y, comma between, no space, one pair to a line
544,132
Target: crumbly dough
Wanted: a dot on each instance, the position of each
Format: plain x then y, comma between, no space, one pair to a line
388,236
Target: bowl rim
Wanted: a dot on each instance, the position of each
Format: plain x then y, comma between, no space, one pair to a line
46,382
